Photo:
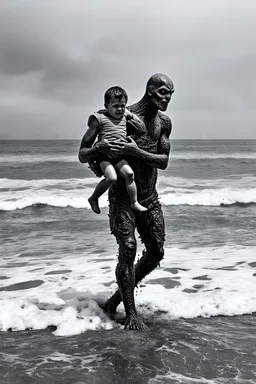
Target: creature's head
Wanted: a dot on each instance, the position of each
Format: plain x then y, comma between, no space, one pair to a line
160,89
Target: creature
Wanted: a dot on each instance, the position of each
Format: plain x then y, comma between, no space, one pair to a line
146,154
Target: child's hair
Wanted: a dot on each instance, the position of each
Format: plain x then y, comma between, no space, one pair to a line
115,93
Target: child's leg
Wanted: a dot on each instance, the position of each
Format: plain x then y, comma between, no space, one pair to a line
110,178
126,171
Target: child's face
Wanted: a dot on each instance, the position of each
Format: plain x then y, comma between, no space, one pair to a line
116,108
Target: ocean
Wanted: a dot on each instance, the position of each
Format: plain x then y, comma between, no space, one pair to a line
58,262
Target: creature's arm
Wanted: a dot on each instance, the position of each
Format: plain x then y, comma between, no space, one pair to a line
159,159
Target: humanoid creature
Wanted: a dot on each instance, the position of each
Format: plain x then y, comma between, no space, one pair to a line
145,154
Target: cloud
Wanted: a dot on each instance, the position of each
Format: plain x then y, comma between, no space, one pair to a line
64,55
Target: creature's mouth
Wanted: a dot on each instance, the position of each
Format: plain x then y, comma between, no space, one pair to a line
164,105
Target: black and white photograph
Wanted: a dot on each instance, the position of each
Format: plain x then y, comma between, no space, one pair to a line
127,192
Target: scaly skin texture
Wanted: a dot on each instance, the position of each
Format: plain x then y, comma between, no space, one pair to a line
151,151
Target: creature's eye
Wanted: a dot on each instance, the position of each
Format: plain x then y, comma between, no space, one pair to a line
162,91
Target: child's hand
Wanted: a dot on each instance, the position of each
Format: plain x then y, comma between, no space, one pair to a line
137,124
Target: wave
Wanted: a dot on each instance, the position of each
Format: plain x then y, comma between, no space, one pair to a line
73,158
73,183
77,198
20,158
211,197
212,156
233,181
246,181
20,194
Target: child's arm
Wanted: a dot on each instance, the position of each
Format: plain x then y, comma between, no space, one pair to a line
87,152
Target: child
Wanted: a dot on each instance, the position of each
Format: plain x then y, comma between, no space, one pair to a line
111,125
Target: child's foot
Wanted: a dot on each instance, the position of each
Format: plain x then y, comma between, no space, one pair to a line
94,205
137,207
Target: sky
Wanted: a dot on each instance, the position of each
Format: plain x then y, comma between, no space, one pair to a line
58,57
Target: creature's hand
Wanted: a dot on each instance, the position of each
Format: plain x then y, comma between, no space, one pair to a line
124,148
103,146
131,144
108,147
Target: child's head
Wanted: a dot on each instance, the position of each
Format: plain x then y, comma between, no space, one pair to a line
115,100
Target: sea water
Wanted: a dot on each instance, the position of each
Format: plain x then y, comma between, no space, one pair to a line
58,262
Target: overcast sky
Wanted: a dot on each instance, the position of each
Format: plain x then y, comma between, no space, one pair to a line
57,58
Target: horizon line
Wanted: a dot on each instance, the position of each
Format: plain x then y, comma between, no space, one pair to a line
54,139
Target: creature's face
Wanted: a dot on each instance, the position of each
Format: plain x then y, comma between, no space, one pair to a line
161,95
116,108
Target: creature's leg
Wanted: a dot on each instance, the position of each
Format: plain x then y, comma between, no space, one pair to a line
153,236
124,169
123,226
151,228
110,178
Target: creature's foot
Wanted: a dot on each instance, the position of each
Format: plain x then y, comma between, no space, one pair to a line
94,205
138,207
134,323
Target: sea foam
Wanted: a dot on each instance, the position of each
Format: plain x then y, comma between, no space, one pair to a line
208,282
19,194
